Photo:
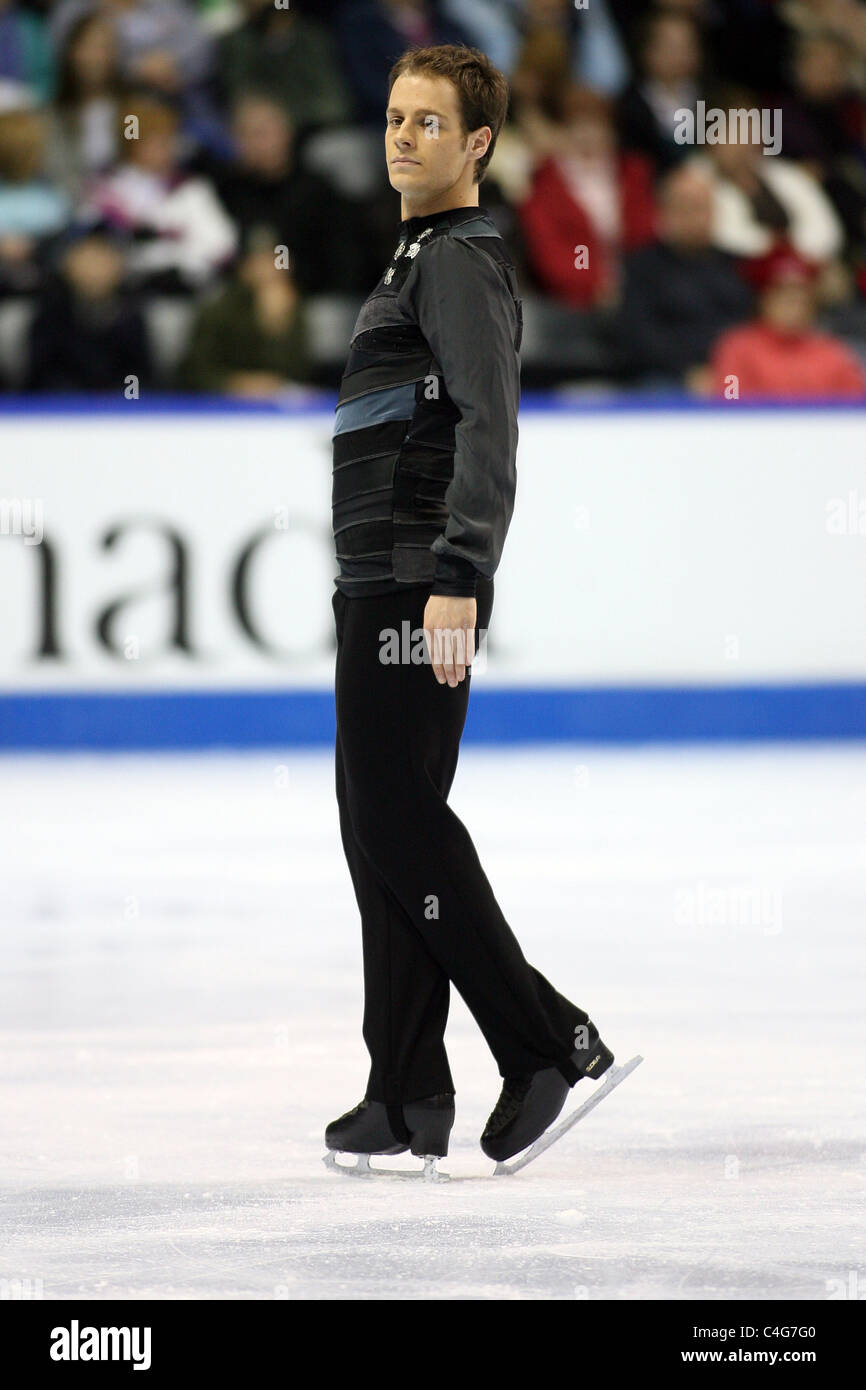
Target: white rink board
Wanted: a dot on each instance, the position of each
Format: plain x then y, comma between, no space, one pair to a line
646,546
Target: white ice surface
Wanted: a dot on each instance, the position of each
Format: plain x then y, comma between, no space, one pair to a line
180,1001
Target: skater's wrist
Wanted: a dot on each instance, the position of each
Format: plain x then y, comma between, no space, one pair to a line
454,577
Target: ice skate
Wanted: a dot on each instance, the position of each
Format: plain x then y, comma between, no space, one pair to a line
369,1130
529,1104
612,1078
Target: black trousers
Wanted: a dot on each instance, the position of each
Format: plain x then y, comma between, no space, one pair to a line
428,914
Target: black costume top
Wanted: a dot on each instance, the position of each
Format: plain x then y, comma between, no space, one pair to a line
425,436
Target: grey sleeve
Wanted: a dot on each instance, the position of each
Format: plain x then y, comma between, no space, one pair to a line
467,315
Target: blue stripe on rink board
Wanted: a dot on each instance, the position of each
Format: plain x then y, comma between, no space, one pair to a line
531,402
273,719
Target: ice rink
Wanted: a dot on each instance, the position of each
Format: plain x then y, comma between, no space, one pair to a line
181,1004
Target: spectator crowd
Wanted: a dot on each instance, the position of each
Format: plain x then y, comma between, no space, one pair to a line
193,196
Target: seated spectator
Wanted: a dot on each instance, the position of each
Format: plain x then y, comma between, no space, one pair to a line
32,210
86,334
373,34
551,56
183,235
587,205
288,56
540,87
761,199
824,124
592,48
822,117
84,134
780,354
531,134
251,341
26,68
743,41
670,60
161,46
844,19
491,25
545,46
264,184
680,292
599,58
161,42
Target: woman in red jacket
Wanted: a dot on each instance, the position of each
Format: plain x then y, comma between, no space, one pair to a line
780,354
587,205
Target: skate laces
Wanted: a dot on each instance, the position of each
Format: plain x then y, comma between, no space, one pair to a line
511,1098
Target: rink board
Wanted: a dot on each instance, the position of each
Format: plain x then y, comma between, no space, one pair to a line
166,572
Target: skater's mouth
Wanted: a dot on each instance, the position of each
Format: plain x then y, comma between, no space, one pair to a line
401,159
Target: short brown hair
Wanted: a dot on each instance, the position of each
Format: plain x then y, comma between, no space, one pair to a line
482,90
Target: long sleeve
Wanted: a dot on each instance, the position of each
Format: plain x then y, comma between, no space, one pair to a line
468,317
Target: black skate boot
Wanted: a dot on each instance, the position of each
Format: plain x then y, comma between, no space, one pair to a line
528,1105
365,1130
423,1126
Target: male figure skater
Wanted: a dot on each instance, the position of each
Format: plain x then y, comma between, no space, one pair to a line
423,490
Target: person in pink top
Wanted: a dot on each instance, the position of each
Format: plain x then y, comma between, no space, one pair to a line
780,354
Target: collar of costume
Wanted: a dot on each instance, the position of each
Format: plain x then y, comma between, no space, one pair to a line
413,225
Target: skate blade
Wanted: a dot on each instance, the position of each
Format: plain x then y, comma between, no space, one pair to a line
362,1168
609,1081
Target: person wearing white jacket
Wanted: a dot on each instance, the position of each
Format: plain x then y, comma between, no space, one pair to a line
759,199
182,234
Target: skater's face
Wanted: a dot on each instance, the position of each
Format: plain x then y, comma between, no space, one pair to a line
429,154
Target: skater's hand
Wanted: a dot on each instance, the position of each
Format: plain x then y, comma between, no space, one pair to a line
449,633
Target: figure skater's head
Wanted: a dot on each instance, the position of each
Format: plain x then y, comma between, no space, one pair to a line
446,107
